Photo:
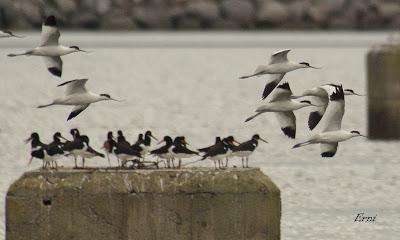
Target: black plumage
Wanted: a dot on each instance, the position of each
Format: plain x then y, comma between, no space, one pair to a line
205,149
338,94
314,119
269,87
289,131
50,21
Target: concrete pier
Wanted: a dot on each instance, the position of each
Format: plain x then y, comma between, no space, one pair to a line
383,70
160,204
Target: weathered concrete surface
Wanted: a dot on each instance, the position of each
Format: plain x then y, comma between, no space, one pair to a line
383,68
143,204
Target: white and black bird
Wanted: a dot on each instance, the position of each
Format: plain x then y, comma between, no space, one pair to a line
54,151
328,133
76,94
49,47
180,151
278,66
320,97
8,34
283,106
143,143
245,149
220,151
121,148
164,152
37,148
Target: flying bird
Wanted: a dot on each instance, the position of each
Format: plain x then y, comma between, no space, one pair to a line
76,94
283,106
49,47
328,132
278,66
321,97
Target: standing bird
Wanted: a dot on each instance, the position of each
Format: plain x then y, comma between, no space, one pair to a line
245,149
164,152
49,47
88,151
8,34
37,147
219,151
321,97
180,150
76,94
328,132
54,150
205,149
107,146
278,66
283,106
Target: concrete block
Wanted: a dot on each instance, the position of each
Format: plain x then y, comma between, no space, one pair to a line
110,204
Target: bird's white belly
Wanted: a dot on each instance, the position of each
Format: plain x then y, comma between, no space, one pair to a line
78,99
332,137
183,155
280,68
243,153
50,51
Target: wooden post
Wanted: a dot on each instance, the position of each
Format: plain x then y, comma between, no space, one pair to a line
383,69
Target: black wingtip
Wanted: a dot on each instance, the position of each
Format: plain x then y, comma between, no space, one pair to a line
314,119
328,154
338,94
290,132
55,71
50,21
297,145
269,87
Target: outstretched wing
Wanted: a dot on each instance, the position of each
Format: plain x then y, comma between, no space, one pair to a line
50,33
281,93
75,86
328,149
54,65
76,111
272,82
279,57
332,119
287,121
315,117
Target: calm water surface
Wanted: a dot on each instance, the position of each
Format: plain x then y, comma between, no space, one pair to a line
188,84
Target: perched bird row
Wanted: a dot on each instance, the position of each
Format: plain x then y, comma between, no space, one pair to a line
125,152
51,51
325,122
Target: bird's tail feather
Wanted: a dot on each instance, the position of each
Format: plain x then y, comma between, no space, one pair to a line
251,118
15,55
46,105
302,144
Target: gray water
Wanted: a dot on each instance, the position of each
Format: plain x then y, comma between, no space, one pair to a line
188,84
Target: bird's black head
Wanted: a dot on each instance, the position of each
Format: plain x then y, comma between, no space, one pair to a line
306,101
140,136
148,133
218,139
105,95
168,139
305,64
256,137
120,133
75,47
34,137
110,135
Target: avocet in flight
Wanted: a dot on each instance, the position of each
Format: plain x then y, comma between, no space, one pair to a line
278,66
321,97
328,132
283,106
77,94
49,47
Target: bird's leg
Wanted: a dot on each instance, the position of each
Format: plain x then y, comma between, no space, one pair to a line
108,158
173,163
118,162
215,165
76,162
56,165
242,162
180,163
30,161
83,162
226,164
247,162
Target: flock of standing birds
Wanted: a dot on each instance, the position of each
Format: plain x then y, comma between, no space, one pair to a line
324,122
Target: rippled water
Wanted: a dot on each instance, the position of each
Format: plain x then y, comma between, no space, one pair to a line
188,84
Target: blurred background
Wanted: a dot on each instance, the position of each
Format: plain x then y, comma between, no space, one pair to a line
203,14
186,83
